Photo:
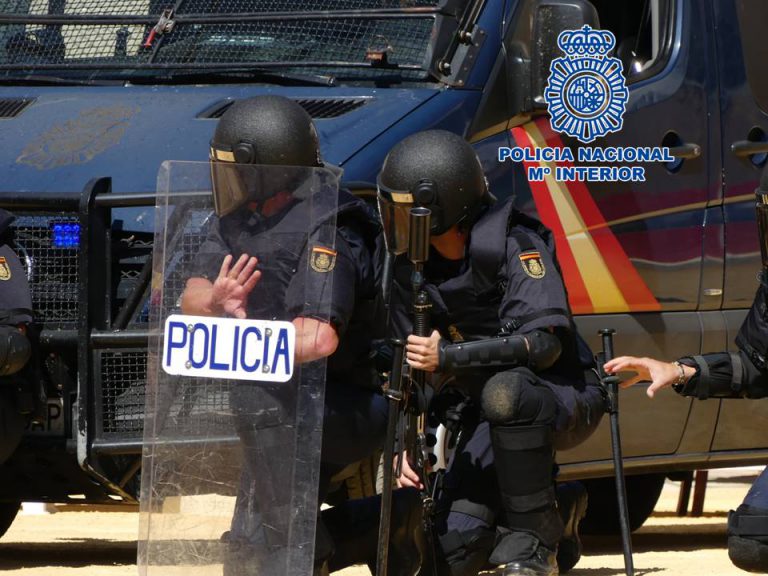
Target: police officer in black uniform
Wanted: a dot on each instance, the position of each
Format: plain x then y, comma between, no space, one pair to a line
505,338
245,274
741,374
15,348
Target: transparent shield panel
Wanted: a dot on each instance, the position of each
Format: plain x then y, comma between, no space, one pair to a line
234,406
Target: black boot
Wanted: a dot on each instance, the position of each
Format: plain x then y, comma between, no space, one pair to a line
464,554
531,529
748,538
540,561
572,505
354,527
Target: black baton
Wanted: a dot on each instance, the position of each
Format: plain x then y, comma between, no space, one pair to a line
611,385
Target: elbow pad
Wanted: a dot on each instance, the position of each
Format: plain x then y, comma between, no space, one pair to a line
537,350
15,350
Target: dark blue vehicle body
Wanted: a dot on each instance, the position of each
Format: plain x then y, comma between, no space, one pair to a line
670,262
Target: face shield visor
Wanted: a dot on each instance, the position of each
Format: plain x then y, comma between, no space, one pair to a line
229,182
395,208
234,185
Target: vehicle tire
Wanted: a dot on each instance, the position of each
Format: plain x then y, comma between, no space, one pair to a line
602,512
8,511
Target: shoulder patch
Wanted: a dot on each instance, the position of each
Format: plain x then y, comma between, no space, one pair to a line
532,264
5,269
322,259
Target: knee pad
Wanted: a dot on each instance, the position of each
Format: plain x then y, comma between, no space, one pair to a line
748,538
513,397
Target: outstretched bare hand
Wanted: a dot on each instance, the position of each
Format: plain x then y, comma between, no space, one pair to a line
232,285
660,374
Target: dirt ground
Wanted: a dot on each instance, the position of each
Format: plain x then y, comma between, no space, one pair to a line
93,542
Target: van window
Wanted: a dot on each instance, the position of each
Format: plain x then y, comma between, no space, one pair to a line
131,37
643,30
753,17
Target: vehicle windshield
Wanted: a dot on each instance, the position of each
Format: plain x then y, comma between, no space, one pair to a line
362,39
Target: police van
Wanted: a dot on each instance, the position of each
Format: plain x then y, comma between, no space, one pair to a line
95,95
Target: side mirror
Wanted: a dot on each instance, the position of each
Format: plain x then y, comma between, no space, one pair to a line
533,46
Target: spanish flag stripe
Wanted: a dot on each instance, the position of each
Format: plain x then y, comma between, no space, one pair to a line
633,287
600,283
324,250
577,291
587,207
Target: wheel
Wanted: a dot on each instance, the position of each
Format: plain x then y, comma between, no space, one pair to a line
8,511
602,511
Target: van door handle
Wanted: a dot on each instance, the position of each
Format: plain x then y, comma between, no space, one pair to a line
745,148
686,151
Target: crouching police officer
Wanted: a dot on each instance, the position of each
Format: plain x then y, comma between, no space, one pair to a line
15,347
255,280
505,337
741,374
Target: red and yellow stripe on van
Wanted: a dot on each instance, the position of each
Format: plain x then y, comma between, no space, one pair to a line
598,273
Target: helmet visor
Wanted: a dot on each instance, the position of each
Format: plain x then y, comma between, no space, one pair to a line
395,209
234,185
228,182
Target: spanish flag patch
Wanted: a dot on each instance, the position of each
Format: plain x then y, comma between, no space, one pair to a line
532,264
322,259
5,269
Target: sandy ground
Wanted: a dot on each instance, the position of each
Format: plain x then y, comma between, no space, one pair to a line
92,542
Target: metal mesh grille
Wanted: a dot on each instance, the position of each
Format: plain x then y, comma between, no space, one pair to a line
132,42
155,7
124,380
197,405
296,41
52,270
185,255
124,373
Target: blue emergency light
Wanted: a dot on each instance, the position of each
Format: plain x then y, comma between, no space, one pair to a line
66,235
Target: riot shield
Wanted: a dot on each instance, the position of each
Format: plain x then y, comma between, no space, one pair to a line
233,416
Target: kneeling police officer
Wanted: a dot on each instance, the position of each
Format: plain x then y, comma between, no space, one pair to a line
245,273
505,338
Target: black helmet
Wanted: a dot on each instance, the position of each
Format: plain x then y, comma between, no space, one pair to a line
264,130
436,169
